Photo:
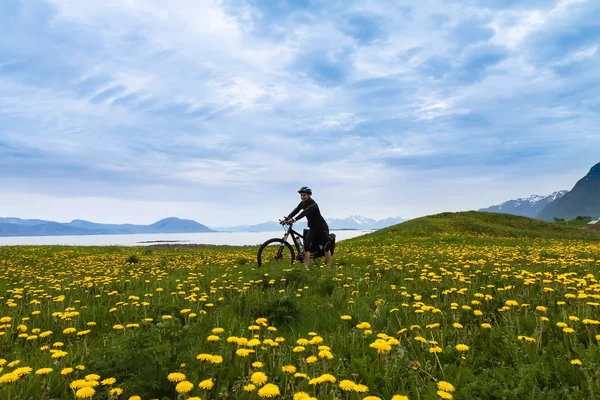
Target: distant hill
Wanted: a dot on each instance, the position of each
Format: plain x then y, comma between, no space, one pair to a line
525,206
583,199
352,222
24,227
473,223
176,225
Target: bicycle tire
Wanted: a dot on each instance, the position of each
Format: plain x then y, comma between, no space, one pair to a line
259,259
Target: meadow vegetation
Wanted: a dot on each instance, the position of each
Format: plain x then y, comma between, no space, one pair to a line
456,305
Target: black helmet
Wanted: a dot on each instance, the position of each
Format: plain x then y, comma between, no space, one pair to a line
305,189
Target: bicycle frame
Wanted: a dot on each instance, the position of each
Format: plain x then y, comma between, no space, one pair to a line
295,238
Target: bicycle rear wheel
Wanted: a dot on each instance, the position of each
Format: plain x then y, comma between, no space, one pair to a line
275,251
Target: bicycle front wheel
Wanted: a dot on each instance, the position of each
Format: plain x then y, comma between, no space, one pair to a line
275,251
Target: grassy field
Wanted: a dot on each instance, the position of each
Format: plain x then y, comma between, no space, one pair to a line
464,306
573,223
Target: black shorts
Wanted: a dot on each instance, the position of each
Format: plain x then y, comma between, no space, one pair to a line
316,239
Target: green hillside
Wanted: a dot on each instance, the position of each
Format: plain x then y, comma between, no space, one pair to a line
475,223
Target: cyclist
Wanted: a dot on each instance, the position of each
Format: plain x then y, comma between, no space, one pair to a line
318,234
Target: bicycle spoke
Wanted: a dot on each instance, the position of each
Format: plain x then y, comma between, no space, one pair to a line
275,253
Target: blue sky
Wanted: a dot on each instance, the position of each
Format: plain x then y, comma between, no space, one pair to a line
134,110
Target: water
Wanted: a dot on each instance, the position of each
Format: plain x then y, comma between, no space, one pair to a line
218,238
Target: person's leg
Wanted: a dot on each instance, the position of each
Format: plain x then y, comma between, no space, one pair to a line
306,259
328,258
309,243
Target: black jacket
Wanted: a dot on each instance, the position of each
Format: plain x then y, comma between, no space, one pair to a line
312,213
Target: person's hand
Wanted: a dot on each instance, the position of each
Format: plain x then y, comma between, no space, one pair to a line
290,220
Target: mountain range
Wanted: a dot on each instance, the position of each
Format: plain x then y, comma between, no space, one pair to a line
352,222
582,200
37,227
525,206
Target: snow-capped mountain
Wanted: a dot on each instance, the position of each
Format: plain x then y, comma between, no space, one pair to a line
581,200
352,222
526,206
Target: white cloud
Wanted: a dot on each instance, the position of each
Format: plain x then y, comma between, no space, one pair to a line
188,96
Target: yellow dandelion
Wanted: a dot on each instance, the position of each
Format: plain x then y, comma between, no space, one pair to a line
259,378
85,393
445,386
462,347
176,377
444,395
289,369
43,371
360,388
206,384
269,390
184,387
347,385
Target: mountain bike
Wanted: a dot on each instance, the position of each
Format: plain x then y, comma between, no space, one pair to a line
280,251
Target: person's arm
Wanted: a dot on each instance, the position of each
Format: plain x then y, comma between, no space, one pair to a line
307,211
295,211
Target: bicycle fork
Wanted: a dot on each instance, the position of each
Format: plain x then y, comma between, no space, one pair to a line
281,247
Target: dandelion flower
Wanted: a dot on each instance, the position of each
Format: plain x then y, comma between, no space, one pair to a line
289,369
359,388
249,388
184,387
576,362
347,385
176,377
462,347
399,397
9,378
108,381
259,378
243,352
444,395
206,384
43,371
85,393
269,390
215,359
445,386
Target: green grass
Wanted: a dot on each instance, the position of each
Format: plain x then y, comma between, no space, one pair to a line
481,224
478,261
572,223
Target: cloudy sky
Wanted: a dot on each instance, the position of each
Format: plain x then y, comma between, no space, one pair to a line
135,110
